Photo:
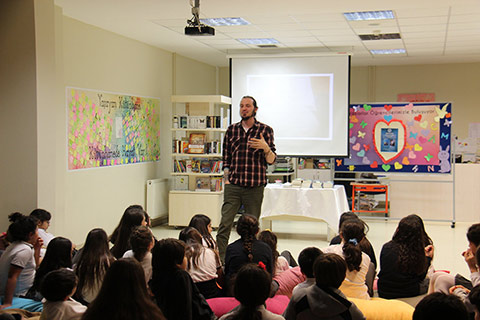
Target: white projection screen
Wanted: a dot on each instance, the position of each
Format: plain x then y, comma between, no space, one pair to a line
304,99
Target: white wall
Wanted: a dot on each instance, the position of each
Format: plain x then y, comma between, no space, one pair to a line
67,52
18,124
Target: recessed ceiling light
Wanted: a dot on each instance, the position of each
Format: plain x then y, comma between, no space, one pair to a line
369,15
258,41
388,51
380,36
214,22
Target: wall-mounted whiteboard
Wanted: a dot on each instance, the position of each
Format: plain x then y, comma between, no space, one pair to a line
304,99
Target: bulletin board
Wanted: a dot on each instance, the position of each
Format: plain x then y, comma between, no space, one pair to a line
109,129
414,137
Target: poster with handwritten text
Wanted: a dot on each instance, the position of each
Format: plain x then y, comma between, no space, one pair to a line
109,129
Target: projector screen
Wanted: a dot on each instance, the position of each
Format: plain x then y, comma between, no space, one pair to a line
304,99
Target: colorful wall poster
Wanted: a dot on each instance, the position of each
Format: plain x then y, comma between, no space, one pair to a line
414,137
108,129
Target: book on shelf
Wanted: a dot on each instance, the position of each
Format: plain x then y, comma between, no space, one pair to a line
196,143
179,166
205,166
197,122
202,184
180,183
196,166
216,184
183,122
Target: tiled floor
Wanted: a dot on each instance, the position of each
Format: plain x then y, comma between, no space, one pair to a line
295,235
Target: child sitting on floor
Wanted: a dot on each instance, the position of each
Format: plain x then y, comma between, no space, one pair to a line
251,288
203,264
142,242
43,217
280,264
58,287
306,259
324,300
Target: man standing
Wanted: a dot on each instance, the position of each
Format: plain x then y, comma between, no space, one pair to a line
247,149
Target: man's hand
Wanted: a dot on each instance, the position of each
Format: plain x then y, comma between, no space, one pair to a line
6,305
259,144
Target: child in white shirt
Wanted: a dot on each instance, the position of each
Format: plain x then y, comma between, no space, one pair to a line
58,287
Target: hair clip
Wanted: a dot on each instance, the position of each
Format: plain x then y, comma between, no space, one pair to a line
353,241
262,265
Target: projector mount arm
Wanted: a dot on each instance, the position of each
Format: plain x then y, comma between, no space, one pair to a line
195,20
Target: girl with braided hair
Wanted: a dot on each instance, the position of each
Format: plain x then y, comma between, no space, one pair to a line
247,249
355,285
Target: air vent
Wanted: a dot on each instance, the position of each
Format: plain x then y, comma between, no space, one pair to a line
381,36
267,46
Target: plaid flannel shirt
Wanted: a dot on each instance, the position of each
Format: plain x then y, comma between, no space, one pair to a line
247,166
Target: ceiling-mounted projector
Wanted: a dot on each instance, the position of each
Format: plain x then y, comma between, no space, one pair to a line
201,30
194,26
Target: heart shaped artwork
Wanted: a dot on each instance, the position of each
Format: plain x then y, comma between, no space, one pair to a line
389,139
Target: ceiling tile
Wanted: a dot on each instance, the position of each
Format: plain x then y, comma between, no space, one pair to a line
430,11
420,21
426,28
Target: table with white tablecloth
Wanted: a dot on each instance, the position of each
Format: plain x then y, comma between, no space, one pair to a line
326,204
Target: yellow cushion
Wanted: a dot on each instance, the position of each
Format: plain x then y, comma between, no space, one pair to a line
383,309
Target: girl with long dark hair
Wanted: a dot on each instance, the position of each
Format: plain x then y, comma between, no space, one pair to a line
405,260
93,264
203,224
280,263
175,293
358,262
246,249
57,256
123,295
204,264
134,216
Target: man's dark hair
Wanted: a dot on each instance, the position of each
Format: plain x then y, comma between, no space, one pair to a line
58,284
474,297
253,100
306,258
440,306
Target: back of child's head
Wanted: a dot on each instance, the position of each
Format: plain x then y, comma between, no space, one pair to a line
167,254
58,285
21,227
200,222
251,288
330,270
41,215
352,232
190,235
473,234
247,228
440,306
269,238
306,259
140,241
346,216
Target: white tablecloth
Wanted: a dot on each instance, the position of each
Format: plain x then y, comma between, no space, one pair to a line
322,204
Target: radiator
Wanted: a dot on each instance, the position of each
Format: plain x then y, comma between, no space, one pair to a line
157,198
